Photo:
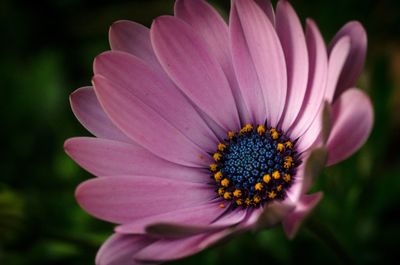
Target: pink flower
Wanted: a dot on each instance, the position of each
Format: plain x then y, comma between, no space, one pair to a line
205,129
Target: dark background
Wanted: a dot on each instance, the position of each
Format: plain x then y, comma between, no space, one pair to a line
47,48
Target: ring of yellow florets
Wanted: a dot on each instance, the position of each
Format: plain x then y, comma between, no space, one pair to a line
254,166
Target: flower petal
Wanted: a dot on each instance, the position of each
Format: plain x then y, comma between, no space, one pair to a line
103,157
119,250
292,222
156,91
176,229
198,215
206,22
268,9
147,126
296,190
121,199
312,134
187,60
273,214
259,62
294,46
134,38
337,58
356,58
352,118
172,249
199,219
319,131
317,77
315,163
90,114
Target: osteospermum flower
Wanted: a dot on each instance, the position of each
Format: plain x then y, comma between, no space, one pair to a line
206,128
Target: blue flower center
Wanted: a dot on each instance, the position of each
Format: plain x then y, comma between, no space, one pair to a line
254,166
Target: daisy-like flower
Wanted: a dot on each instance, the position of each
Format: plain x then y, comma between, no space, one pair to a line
205,128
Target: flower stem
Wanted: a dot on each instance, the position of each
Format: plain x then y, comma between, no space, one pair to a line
327,237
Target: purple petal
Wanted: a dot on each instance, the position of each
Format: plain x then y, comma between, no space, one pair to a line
294,46
292,222
147,126
337,58
186,58
206,22
122,199
198,215
352,118
230,217
175,229
111,158
156,91
119,250
296,190
317,77
268,9
251,219
133,38
259,61
319,131
172,249
312,134
198,219
90,114
356,58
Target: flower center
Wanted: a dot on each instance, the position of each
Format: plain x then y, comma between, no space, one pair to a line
254,166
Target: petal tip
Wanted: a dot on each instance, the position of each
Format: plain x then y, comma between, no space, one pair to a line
67,146
292,223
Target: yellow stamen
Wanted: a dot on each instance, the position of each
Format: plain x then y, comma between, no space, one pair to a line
237,193
213,167
246,128
218,176
267,178
217,156
259,186
279,188
221,147
227,195
289,144
225,182
221,191
289,159
280,147
274,133
256,199
276,174
239,202
261,129
247,201
222,205
287,164
287,177
231,135
271,194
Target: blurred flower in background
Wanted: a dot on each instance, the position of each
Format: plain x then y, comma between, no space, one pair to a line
244,104
48,49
